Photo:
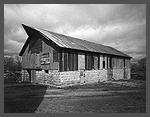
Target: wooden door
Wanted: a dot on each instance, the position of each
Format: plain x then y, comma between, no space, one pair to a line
33,76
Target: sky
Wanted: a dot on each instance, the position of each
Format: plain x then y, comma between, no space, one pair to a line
121,26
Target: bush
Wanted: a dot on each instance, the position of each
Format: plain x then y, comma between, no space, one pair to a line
12,77
12,69
138,70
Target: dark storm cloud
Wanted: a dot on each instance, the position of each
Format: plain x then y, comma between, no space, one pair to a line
120,26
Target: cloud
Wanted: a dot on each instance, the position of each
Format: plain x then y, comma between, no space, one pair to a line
122,26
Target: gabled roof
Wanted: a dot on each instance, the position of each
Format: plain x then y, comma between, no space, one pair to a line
64,41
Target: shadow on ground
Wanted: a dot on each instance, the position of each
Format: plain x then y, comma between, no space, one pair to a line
23,98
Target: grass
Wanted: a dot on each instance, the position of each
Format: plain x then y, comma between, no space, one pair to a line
25,97
112,85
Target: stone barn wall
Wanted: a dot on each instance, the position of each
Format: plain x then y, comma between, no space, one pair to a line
118,74
92,76
128,73
68,78
51,78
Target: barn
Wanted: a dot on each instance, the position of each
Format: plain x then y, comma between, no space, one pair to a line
58,60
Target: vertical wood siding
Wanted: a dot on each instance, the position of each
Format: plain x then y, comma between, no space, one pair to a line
101,61
81,61
31,58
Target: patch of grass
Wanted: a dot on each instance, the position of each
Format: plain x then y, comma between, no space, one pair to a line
111,85
23,98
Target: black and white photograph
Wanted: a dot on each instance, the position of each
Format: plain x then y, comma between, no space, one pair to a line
74,58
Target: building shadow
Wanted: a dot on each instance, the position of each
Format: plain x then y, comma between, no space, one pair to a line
23,98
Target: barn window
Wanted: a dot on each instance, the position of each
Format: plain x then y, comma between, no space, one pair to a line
69,61
89,62
95,62
72,61
103,61
76,61
110,62
98,62
65,61
55,56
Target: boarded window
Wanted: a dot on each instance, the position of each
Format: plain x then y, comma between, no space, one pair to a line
98,62
76,61
65,61
90,62
69,61
127,63
72,63
45,58
60,62
55,56
95,62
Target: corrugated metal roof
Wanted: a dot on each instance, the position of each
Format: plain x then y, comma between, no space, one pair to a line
78,44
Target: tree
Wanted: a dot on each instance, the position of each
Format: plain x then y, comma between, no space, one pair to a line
12,68
138,70
142,66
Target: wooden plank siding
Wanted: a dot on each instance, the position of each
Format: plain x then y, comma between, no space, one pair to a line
32,55
81,61
101,61
96,62
68,60
127,63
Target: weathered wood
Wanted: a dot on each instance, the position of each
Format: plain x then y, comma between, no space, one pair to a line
65,61
62,61
127,63
108,62
33,76
101,61
105,61
95,62
76,61
81,61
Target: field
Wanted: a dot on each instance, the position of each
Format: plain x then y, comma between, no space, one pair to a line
105,97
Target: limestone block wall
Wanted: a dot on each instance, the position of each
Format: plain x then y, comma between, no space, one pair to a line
128,73
51,78
103,76
118,74
92,76
69,78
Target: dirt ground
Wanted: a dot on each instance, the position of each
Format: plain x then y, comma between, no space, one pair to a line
105,97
